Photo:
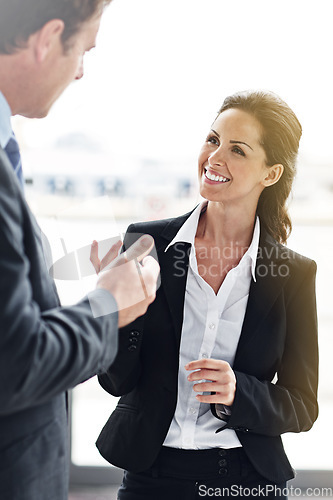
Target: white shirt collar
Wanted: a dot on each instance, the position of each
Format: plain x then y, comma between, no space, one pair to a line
187,232
5,123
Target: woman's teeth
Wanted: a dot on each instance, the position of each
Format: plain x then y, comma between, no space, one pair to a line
216,178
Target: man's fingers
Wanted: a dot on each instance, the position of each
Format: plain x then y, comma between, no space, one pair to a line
94,256
151,265
135,252
140,248
133,284
111,255
150,271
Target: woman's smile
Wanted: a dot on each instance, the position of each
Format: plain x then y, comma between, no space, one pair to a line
213,177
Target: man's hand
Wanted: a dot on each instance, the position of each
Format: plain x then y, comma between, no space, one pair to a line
220,379
131,282
98,264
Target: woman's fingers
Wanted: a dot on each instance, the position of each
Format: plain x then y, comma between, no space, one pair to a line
211,387
209,363
203,374
214,399
217,377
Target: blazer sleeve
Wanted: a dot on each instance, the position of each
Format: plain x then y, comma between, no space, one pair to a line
42,353
290,405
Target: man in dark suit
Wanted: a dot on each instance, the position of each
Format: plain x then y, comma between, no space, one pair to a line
46,349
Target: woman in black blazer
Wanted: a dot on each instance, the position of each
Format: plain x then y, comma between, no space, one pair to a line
225,360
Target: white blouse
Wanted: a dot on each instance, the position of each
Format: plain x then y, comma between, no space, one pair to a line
211,329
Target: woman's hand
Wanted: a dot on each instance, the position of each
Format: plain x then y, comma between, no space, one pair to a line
220,379
99,265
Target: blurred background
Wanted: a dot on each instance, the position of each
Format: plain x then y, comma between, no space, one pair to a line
121,145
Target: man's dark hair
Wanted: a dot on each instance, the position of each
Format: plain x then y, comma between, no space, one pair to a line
21,18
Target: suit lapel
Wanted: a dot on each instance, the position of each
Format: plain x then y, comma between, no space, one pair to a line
272,272
174,267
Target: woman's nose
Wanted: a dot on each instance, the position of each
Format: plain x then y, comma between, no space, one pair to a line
217,157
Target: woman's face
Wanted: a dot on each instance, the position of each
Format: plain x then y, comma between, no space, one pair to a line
232,163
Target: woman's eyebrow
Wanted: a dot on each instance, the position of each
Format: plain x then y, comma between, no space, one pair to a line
240,142
232,142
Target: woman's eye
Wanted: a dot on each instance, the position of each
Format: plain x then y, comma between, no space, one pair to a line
212,139
238,150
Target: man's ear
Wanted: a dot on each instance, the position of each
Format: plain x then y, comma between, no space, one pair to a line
274,174
48,38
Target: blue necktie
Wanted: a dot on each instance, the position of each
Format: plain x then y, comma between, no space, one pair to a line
13,153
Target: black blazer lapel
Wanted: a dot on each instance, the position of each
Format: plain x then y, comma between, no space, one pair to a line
272,272
174,267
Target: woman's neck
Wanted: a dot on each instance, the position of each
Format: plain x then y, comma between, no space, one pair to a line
225,226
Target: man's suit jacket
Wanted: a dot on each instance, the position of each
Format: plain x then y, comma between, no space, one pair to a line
44,350
279,336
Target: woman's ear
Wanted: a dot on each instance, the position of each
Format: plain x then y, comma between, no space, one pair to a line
274,174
